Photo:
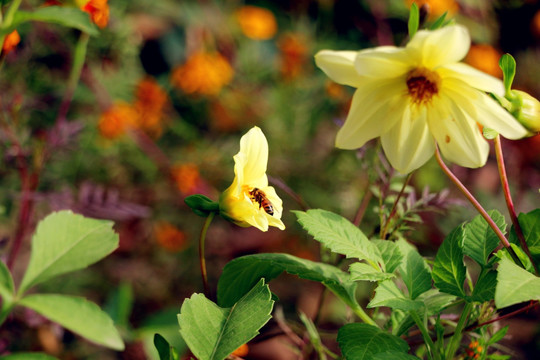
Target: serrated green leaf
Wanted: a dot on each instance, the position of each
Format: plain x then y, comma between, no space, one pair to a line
414,20
66,242
338,234
212,333
508,67
448,269
361,271
61,15
414,270
28,356
484,290
498,336
363,342
394,355
515,285
78,315
530,225
479,239
242,273
390,253
7,288
388,294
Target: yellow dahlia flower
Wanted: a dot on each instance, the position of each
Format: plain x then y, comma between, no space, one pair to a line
249,201
418,96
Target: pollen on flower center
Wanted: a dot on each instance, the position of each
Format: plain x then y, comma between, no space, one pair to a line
423,84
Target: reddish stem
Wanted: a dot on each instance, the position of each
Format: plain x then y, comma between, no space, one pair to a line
508,198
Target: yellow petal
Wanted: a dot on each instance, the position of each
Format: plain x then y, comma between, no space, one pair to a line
252,159
409,144
383,62
457,133
494,116
442,46
339,66
375,108
472,77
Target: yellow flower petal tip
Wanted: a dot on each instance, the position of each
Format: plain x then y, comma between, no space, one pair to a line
249,201
420,96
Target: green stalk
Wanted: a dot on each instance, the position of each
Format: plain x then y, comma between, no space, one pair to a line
357,309
456,338
432,353
202,260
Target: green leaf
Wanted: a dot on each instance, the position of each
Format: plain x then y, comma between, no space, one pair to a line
242,273
479,239
338,234
484,290
361,271
65,242
498,336
61,15
530,225
28,356
394,355
78,315
515,285
448,268
414,270
363,342
508,67
165,351
119,304
7,288
212,333
314,337
414,20
439,22
388,294
390,253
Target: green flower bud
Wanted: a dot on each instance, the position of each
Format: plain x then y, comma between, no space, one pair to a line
526,109
201,205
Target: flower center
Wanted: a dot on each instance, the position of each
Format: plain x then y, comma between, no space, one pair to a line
423,84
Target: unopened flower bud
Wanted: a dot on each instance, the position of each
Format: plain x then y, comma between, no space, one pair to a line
526,109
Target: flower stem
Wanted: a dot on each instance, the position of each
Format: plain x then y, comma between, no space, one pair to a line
478,207
202,259
384,232
508,198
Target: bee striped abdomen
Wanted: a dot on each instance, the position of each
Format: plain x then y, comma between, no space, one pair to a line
259,197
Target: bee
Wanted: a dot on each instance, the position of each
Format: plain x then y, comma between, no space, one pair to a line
257,195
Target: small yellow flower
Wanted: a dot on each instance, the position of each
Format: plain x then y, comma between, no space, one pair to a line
420,96
257,23
116,120
98,11
203,73
10,42
249,201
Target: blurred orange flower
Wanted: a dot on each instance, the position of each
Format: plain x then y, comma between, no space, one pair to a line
170,237
437,7
10,42
98,10
243,350
203,73
256,23
485,57
535,24
186,177
293,55
117,119
150,103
